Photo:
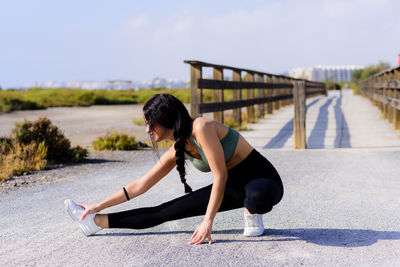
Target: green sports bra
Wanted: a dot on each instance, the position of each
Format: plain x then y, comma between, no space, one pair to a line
228,142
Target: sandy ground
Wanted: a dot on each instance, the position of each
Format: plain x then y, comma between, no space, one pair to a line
82,125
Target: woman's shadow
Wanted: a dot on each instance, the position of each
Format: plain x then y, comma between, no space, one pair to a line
319,236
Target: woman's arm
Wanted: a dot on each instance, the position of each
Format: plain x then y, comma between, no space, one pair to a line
207,137
139,186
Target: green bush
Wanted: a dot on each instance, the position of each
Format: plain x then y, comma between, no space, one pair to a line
9,104
77,154
139,121
115,141
58,146
369,71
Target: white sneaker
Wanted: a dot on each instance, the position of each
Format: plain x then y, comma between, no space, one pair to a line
73,210
253,225
88,226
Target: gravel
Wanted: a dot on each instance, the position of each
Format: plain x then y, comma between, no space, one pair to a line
61,172
340,208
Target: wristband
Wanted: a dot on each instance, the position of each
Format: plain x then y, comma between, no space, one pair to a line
126,193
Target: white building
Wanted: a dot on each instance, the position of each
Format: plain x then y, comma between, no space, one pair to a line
116,84
325,73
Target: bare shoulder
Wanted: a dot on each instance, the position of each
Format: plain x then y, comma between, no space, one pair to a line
201,122
207,127
201,125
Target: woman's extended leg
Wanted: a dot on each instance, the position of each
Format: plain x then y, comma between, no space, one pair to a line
258,196
189,205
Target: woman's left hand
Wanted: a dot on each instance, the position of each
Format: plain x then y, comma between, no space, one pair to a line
202,233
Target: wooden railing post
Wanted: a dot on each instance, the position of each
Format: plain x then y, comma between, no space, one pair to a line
291,100
275,93
269,105
385,94
287,91
237,95
218,95
376,90
396,115
369,92
282,103
250,95
299,123
195,92
371,84
260,93
392,110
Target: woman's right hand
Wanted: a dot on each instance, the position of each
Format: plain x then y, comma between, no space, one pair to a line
88,209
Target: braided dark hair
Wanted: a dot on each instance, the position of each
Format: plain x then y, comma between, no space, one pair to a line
169,112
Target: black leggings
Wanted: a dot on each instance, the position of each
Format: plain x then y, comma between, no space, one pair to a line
254,184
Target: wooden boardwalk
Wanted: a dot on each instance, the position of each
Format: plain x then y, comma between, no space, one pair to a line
339,120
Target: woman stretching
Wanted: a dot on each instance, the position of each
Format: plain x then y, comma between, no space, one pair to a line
242,176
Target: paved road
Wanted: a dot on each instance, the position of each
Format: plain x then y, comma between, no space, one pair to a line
340,208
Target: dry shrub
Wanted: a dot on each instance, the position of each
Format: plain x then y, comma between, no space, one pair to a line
34,144
21,158
58,146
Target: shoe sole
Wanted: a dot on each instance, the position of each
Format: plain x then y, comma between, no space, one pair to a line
84,229
254,234
68,211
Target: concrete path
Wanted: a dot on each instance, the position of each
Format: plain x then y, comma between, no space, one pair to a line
340,120
340,208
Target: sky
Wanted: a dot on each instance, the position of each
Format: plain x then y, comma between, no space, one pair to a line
97,40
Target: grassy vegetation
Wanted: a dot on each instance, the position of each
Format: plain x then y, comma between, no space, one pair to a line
38,98
9,103
115,141
162,144
33,145
365,73
139,121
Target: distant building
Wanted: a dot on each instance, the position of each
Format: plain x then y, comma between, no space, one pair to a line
115,84
325,73
89,85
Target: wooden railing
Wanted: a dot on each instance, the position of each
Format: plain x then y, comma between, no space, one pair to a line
383,89
265,93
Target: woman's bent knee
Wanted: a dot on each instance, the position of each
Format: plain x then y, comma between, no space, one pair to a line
262,194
